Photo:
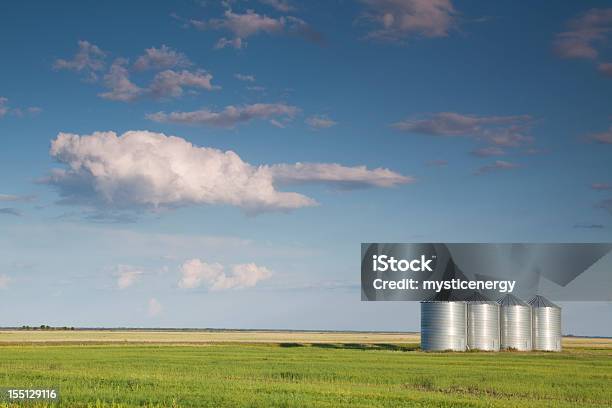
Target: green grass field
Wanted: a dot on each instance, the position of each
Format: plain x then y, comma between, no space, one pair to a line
319,374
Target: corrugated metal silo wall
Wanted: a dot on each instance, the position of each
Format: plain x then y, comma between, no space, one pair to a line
483,326
546,328
515,327
443,326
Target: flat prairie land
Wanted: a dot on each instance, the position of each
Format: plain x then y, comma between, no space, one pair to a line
296,369
199,336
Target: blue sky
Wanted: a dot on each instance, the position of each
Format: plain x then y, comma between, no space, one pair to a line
413,121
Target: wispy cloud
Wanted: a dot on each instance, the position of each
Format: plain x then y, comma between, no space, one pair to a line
11,211
161,58
488,151
127,276
169,82
154,308
532,151
589,226
165,84
117,80
89,60
223,42
283,6
172,83
250,23
437,163
605,69
337,175
195,273
398,20
3,106
604,137
16,198
320,122
499,130
245,77
230,116
606,205
256,88
601,186
5,281
6,109
498,165
587,34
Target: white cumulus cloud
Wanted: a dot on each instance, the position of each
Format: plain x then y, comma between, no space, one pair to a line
147,169
195,273
142,169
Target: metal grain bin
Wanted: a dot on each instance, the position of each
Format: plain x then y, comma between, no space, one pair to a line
443,325
482,323
546,324
514,323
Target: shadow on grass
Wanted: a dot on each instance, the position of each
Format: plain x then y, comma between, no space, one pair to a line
290,345
368,346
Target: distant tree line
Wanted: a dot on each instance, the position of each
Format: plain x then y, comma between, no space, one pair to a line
45,327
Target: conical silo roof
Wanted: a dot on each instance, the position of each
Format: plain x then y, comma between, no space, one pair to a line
511,300
541,301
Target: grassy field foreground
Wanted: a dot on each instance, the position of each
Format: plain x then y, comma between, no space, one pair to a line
298,375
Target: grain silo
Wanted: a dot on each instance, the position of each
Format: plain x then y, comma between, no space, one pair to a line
514,323
443,325
546,324
482,323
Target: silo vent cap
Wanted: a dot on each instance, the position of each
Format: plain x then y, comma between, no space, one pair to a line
511,300
541,301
